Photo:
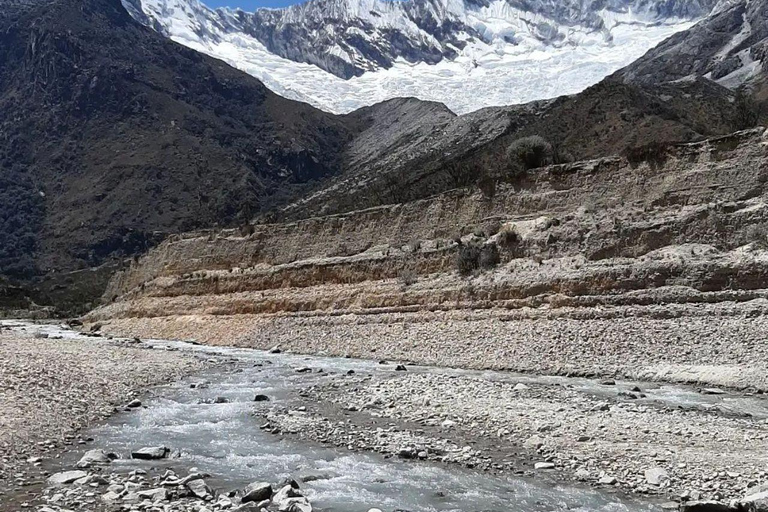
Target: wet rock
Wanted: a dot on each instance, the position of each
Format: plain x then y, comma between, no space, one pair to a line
134,404
706,506
520,387
712,391
608,382
221,400
544,465
304,369
401,368
95,458
312,476
607,480
261,398
275,350
257,491
295,505
151,453
66,477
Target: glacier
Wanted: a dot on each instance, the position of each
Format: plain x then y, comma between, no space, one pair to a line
496,53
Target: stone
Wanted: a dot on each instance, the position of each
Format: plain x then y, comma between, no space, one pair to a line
221,400
312,476
275,350
257,491
261,398
284,494
544,465
656,476
95,458
110,496
534,443
607,480
401,368
608,382
705,506
200,489
755,502
304,369
299,504
520,387
158,494
712,391
134,404
66,477
151,453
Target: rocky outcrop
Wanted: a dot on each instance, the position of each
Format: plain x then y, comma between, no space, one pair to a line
591,245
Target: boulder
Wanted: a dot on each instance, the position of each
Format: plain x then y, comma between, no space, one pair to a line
66,477
705,506
300,504
285,493
134,404
261,398
95,458
200,489
656,476
256,492
756,502
158,494
151,453
544,465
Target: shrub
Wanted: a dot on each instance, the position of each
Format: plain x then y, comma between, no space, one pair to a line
530,152
757,234
654,153
468,259
508,237
407,277
489,256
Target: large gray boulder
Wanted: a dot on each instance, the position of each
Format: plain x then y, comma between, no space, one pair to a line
66,477
200,489
256,492
756,502
151,453
95,458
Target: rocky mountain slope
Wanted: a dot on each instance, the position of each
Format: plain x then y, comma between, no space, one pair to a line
343,54
111,136
607,266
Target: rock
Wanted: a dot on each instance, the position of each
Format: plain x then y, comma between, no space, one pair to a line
200,489
289,481
151,453
607,480
656,476
261,398
304,369
534,443
712,391
95,458
312,476
608,382
705,506
66,477
520,387
285,493
158,494
221,400
275,350
407,453
300,504
401,368
257,491
755,502
110,496
134,404
544,465
581,474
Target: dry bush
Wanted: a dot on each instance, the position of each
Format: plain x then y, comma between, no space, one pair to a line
530,152
757,234
468,259
508,237
489,256
407,277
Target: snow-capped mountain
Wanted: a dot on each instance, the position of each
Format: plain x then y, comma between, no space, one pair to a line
343,54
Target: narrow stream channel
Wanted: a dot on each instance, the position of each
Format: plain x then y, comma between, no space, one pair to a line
225,440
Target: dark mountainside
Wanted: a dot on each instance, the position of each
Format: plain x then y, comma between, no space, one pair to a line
111,136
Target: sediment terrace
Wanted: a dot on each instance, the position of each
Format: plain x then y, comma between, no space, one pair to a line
654,269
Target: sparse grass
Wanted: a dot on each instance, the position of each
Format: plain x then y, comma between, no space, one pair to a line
757,234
